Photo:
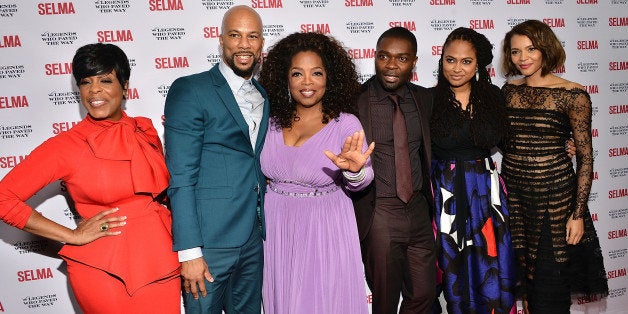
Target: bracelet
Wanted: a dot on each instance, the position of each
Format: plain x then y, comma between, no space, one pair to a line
354,177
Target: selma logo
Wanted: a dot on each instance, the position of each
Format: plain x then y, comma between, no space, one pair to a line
34,274
586,1
518,2
266,4
613,109
491,71
55,8
618,21
616,273
555,22
409,25
617,193
592,89
58,68
595,132
415,77
587,44
587,299
319,28
616,234
211,32
10,161
364,53
560,69
358,3
8,102
112,36
171,63
437,50
618,65
443,2
132,94
481,24
616,152
165,5
10,41
59,127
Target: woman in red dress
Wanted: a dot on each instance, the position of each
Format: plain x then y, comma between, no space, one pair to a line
119,257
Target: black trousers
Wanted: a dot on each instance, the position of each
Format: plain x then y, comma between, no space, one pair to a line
399,256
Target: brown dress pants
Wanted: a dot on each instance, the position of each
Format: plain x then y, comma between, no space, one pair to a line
399,256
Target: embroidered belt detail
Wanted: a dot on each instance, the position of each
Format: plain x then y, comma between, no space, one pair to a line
316,191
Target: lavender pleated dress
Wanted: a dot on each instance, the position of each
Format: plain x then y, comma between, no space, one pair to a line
312,258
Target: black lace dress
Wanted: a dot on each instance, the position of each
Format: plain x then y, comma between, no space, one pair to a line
544,192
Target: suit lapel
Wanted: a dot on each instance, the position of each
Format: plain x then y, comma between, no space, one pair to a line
364,111
263,126
421,100
228,99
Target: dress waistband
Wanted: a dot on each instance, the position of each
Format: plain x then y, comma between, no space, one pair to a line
299,189
133,207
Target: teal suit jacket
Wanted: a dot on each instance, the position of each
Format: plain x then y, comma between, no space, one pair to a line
216,182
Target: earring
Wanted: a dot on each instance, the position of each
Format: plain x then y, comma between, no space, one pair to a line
289,96
477,75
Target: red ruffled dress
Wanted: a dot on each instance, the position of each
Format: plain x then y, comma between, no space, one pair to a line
106,164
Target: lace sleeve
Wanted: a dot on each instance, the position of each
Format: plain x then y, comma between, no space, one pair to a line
579,112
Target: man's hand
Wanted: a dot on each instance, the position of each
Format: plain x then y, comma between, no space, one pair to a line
194,273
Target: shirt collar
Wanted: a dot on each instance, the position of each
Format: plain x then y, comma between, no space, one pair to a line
381,94
234,81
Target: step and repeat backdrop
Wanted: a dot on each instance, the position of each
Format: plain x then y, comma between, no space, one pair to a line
165,39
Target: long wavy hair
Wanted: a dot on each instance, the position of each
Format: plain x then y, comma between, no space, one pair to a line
342,79
486,103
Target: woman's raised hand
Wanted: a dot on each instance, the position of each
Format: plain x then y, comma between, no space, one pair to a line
351,157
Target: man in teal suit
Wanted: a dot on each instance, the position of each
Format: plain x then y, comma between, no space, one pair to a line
215,127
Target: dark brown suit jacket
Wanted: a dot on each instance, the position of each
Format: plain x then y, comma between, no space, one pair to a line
364,201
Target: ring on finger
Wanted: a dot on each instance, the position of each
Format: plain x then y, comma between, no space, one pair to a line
104,226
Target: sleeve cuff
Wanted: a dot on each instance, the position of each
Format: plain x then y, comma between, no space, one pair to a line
190,254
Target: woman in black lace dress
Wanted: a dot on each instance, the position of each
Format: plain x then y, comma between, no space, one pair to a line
556,245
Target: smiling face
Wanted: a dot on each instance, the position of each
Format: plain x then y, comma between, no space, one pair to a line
307,79
394,61
102,96
526,58
459,63
241,40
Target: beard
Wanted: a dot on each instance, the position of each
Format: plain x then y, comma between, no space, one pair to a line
247,72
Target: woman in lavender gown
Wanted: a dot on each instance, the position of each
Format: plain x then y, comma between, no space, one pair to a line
313,154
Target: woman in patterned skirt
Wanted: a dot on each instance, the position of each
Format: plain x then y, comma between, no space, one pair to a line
468,120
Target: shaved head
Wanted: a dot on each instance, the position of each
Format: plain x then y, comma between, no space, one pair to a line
241,40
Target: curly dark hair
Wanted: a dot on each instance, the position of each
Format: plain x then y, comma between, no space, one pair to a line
97,59
486,102
543,39
342,79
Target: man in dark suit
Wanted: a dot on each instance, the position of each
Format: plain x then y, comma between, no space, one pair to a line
394,217
215,126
